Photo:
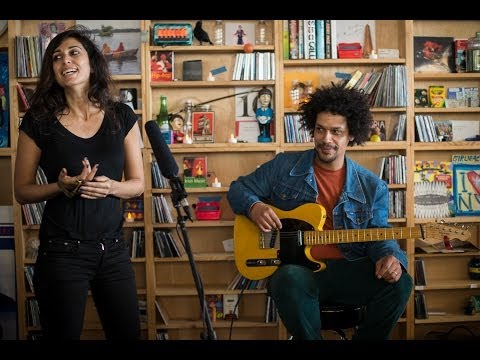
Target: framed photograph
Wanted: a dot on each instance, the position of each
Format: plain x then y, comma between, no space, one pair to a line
239,33
129,96
203,126
119,41
466,189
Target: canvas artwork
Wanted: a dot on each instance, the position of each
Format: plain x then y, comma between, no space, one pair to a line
119,41
239,33
433,54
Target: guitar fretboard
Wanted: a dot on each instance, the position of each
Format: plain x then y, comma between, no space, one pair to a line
359,235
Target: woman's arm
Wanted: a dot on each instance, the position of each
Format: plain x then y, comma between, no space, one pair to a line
26,188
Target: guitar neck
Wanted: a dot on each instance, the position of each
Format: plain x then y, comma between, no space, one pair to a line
359,235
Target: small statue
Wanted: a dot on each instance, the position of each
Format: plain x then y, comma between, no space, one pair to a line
264,114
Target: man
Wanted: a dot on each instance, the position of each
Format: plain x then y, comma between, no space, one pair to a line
369,273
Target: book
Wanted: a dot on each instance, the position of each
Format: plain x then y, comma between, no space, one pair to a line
215,306
128,96
25,94
195,171
420,274
230,306
444,130
471,96
203,123
4,101
466,189
421,97
433,54
436,96
455,97
460,48
162,65
133,209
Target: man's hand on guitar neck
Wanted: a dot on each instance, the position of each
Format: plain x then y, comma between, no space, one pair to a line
264,217
388,268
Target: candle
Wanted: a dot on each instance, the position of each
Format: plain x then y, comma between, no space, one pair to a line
187,139
373,55
129,217
216,183
232,140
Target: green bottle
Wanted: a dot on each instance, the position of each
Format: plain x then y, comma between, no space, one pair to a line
163,121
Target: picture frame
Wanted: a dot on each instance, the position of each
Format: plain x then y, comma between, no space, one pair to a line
119,41
129,96
466,189
433,54
203,123
239,33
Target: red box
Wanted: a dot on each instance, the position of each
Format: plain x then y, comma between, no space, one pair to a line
349,50
208,209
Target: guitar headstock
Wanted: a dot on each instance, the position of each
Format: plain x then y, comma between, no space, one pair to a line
436,232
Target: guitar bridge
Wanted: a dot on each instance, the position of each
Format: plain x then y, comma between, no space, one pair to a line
268,240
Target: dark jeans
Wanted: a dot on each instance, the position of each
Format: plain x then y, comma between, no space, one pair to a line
64,272
298,293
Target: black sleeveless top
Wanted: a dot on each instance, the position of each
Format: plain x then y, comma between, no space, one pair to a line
79,218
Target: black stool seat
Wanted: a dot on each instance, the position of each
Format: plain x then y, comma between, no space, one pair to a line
337,317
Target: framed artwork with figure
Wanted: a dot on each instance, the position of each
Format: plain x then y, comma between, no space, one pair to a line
119,41
239,33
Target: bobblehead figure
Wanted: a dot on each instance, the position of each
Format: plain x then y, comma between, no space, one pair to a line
264,114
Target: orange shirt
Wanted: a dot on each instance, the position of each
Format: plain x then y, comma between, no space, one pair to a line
330,185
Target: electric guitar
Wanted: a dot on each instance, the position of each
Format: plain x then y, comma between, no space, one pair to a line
258,254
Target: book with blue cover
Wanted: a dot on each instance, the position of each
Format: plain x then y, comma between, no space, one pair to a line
4,101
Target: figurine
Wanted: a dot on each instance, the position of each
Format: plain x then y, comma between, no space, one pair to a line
264,114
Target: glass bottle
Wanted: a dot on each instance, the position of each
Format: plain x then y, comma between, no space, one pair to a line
218,37
163,121
473,54
188,125
261,33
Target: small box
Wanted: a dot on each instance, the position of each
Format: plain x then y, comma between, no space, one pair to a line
192,70
349,50
208,208
172,34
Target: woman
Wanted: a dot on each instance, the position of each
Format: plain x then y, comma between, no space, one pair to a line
88,146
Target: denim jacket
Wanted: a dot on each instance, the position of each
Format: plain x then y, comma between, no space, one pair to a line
288,181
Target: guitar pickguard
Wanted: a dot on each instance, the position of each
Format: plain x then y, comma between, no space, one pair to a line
292,248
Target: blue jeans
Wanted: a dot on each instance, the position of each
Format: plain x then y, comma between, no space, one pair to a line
299,292
64,272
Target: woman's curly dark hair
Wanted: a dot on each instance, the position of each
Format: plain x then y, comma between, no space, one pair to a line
49,97
337,100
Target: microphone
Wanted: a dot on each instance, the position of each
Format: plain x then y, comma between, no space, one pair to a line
167,164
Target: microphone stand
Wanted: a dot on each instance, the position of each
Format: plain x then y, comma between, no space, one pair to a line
178,195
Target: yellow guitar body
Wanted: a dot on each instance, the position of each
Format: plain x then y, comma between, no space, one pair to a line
248,241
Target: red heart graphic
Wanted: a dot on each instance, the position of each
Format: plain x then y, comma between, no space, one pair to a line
474,179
